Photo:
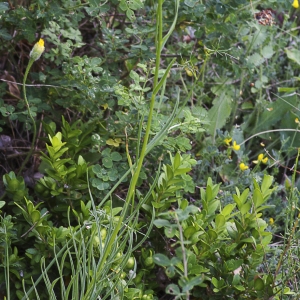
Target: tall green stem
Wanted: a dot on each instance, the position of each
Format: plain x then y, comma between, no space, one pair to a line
159,42
31,61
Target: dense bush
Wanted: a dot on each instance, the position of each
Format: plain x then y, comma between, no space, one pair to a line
151,151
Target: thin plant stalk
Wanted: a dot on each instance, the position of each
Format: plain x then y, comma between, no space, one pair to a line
6,259
293,227
31,61
159,42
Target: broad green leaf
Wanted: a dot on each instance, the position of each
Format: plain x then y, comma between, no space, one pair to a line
259,284
237,200
236,279
177,160
219,113
249,240
170,231
212,234
232,230
293,54
35,216
220,221
233,264
135,76
245,208
244,195
59,153
228,209
215,282
266,240
275,111
102,186
192,3
107,162
123,5
267,51
287,291
191,209
212,207
161,223
239,287
173,289
116,156
209,196
130,14
267,182
189,231
189,284
4,6
29,207
135,4
161,260
4,34
239,227
258,198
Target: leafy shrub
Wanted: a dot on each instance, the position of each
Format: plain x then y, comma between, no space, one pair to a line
120,83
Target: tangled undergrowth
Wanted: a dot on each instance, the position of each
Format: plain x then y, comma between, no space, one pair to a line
149,149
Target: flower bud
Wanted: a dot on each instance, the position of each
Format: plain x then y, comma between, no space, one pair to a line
37,50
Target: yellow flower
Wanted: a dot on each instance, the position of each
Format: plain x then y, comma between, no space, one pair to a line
297,121
271,221
295,4
227,141
235,146
37,50
243,167
260,159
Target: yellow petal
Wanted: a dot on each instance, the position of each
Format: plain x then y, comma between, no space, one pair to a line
260,157
235,146
295,4
243,167
227,141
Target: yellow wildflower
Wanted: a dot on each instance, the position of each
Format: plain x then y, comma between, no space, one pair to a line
295,4
227,141
243,167
235,146
297,121
37,50
260,159
271,221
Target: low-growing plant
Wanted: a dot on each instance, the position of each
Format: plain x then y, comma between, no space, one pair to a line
216,87
219,251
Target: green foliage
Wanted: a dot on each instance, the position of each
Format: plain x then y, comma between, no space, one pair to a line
133,107
219,249
15,186
171,182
